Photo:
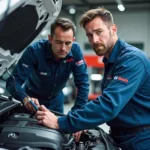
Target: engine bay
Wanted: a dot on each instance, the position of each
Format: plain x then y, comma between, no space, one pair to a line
20,130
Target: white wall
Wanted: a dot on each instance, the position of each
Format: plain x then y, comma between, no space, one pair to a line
134,27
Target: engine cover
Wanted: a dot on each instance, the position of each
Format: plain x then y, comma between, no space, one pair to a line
21,129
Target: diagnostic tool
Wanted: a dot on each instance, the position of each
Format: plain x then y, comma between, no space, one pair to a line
33,104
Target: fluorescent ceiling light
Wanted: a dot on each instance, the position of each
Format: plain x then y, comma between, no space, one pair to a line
121,7
72,11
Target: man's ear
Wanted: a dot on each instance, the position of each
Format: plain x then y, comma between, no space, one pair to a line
49,37
74,38
114,29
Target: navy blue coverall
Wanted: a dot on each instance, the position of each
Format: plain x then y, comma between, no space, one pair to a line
39,75
125,100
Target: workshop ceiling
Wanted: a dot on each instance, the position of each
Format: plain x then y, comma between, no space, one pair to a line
82,5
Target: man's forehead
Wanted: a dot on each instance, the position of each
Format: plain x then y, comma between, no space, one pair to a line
95,23
63,40
60,29
93,30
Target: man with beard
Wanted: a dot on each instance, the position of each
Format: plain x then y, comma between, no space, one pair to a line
45,67
125,101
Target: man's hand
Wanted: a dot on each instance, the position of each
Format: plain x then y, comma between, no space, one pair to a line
28,105
77,135
45,117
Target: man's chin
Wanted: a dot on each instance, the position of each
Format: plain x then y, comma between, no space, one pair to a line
99,54
100,51
62,56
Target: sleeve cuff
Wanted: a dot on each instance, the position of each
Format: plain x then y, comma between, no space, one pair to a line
64,124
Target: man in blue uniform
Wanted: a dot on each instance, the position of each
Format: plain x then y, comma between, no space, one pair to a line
125,101
45,67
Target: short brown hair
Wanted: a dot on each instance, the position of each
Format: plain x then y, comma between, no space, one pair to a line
101,12
64,23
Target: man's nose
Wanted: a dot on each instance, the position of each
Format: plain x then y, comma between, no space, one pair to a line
63,46
95,39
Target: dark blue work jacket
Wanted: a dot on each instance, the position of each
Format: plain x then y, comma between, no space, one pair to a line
42,75
125,99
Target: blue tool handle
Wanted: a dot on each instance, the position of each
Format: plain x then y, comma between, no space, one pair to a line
33,105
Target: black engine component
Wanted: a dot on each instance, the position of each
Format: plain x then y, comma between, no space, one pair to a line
18,129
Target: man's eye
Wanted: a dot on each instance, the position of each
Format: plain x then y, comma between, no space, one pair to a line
58,42
89,35
68,43
99,32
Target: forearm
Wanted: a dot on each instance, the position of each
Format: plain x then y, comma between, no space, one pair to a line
81,97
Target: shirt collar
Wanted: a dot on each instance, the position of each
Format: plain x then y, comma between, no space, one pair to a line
48,52
115,52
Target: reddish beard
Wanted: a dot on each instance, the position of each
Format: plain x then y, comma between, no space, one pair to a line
95,46
99,49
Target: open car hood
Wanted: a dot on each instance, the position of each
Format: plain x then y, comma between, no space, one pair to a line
20,23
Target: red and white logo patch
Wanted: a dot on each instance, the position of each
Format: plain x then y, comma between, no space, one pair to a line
80,62
109,77
68,60
121,79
